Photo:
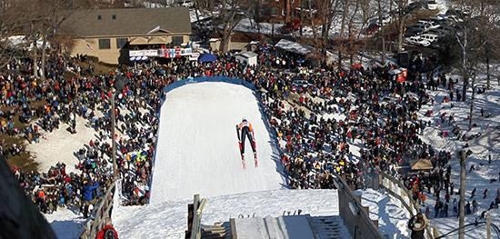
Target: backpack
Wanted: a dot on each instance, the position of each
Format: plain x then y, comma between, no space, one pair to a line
109,234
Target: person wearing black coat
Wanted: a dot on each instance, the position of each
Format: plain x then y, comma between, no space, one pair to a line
417,225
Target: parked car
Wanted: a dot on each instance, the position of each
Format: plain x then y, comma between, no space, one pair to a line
432,5
300,85
429,37
418,41
429,24
386,19
440,32
185,3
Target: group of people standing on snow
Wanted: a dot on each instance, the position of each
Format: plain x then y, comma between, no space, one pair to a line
375,113
59,101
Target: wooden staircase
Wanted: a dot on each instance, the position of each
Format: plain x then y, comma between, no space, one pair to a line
326,227
216,231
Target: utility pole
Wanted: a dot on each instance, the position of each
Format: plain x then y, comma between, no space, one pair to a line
487,53
113,140
488,226
461,218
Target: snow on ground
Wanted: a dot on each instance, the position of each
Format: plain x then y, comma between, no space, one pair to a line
443,5
201,16
59,146
198,148
20,40
168,219
66,223
392,217
483,145
249,25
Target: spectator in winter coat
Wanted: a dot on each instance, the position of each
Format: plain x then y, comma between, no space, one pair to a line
88,196
417,225
88,190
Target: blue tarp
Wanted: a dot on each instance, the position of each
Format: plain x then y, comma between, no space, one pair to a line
207,58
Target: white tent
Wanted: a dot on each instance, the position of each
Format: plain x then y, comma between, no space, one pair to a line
248,57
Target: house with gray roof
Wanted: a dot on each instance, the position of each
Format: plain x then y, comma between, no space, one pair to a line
120,35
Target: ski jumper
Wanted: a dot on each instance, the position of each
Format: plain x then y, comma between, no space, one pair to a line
246,130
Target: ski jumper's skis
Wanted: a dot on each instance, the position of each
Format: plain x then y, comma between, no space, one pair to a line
256,161
254,148
240,146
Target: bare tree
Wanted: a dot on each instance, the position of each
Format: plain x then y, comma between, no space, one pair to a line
472,37
230,12
345,4
45,17
381,34
367,13
10,24
352,42
326,12
401,16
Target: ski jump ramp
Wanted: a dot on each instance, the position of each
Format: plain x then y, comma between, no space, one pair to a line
197,149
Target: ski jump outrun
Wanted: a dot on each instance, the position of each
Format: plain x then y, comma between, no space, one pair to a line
245,130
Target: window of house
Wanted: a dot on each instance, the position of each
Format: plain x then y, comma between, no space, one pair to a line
99,17
104,44
121,42
177,40
113,17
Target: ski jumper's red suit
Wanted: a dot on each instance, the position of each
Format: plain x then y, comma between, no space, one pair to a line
246,130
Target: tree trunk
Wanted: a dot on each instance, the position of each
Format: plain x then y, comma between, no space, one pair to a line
401,30
301,22
197,12
224,44
35,66
342,29
465,75
340,61
488,84
44,56
382,30
464,87
461,208
471,109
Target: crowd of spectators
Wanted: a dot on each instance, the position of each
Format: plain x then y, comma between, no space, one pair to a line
349,122
48,105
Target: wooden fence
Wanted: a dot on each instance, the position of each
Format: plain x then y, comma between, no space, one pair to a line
397,190
102,212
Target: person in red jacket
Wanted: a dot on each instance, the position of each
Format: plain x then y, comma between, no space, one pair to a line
107,232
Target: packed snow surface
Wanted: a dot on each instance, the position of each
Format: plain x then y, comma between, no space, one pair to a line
198,149
168,219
